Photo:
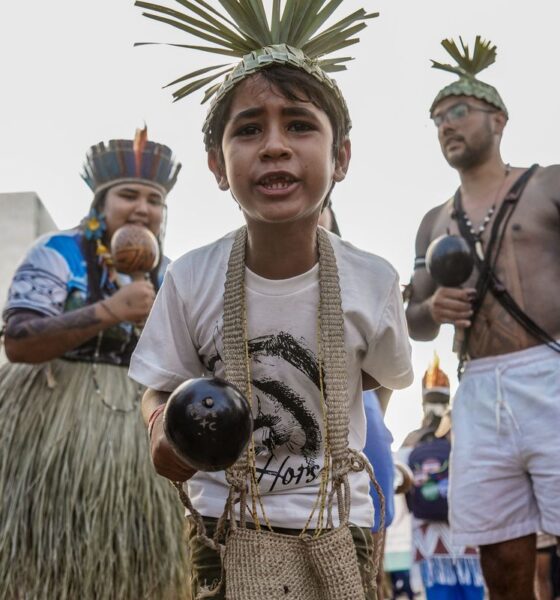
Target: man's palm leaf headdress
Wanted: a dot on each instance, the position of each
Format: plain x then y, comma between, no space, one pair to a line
484,54
467,67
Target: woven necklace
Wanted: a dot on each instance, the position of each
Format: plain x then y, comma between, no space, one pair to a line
332,368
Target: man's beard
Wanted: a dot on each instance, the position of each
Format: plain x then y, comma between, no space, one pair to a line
474,153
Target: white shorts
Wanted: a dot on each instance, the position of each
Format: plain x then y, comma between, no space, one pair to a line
505,459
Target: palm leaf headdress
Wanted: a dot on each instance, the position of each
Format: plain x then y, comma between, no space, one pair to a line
290,37
467,67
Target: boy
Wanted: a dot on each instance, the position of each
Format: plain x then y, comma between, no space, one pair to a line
278,140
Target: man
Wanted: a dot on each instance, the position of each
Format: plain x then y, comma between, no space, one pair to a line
505,477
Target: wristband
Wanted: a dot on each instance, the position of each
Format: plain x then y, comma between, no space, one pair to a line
152,420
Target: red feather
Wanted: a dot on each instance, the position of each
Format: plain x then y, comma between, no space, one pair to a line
140,140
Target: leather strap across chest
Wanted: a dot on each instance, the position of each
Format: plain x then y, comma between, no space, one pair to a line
488,279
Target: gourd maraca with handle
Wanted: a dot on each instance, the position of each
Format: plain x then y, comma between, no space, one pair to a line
208,422
135,250
450,262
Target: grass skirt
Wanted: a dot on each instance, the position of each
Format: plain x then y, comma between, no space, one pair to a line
82,512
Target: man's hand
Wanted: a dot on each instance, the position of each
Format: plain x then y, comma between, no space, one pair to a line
452,305
132,302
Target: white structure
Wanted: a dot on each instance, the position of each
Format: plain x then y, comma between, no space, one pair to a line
22,218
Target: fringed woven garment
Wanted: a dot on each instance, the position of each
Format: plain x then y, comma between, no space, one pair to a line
320,565
83,515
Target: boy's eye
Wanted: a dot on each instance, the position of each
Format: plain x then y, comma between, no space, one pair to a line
248,130
155,201
300,126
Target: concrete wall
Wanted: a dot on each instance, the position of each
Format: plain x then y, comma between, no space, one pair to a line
22,218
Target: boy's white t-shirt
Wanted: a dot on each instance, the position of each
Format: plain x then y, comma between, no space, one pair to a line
182,339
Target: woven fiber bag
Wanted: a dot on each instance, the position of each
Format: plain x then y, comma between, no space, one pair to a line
262,565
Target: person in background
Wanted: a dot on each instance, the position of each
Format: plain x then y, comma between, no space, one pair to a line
82,513
505,472
448,572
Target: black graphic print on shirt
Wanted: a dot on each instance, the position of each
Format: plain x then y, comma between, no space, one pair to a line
287,433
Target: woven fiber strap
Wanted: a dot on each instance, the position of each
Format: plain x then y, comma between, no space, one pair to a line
332,348
235,351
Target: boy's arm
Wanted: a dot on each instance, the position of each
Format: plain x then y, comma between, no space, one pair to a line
387,360
166,461
151,400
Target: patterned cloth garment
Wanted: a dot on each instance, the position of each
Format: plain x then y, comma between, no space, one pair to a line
52,279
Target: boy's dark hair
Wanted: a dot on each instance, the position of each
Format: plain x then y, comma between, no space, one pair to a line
293,84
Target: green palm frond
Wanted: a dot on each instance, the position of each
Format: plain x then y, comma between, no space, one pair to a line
484,54
332,65
247,29
196,74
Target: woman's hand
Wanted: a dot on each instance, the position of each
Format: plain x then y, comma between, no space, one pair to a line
132,302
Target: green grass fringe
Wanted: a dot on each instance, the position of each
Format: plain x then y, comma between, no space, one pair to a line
82,513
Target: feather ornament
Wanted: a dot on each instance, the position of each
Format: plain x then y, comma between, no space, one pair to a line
138,145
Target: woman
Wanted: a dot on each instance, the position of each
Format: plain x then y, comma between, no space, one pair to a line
83,514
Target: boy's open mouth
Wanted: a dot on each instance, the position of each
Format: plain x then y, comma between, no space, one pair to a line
277,181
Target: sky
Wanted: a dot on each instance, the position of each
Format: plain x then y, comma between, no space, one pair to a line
70,77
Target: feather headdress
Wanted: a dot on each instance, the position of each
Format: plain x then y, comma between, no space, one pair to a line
467,67
138,161
435,380
290,37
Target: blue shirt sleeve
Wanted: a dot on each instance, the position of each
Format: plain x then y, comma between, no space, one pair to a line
378,452
52,266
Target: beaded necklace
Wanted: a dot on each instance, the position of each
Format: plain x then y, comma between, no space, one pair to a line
97,387
106,260
477,233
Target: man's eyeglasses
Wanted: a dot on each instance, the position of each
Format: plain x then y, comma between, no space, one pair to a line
457,112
